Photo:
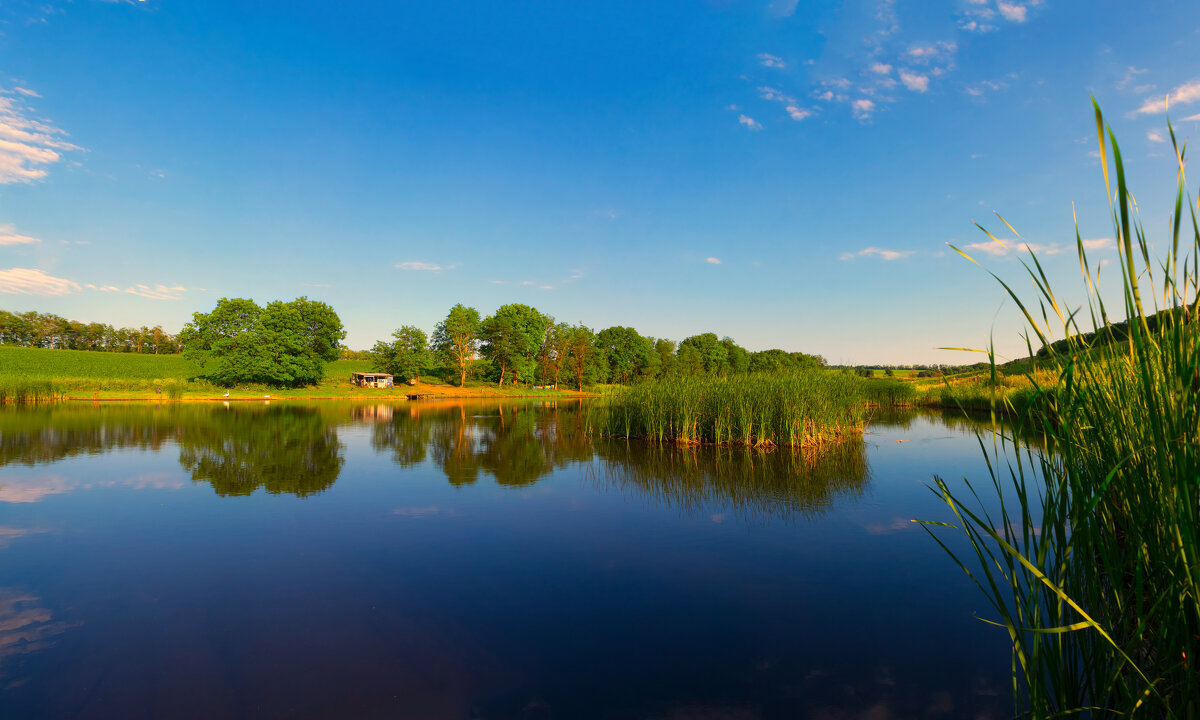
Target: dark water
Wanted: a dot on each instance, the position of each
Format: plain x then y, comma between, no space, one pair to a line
475,561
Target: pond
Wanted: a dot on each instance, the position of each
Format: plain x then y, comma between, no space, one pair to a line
476,560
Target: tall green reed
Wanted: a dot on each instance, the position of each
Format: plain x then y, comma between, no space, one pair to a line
19,391
1092,561
801,410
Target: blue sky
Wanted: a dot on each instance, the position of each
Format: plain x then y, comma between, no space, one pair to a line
782,172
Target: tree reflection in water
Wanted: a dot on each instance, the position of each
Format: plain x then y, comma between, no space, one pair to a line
294,448
49,433
756,483
281,449
516,444
519,444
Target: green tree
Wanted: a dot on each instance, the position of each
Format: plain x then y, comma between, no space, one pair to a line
512,339
668,364
555,347
583,357
713,356
225,343
737,358
282,344
626,353
456,339
405,356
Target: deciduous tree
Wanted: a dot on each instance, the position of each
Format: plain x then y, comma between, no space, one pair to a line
456,339
406,355
512,338
283,344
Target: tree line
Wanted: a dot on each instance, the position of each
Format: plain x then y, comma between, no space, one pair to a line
46,330
520,345
287,343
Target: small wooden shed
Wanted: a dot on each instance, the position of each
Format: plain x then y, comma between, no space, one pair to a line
375,380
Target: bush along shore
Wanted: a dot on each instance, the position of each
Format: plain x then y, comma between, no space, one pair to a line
1092,562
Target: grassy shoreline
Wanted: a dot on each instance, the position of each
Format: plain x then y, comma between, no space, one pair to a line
31,375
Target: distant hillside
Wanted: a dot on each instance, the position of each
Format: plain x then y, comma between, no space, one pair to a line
1113,332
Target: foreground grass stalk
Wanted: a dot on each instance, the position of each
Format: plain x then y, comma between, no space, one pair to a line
1092,560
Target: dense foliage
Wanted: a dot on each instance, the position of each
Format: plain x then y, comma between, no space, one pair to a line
283,344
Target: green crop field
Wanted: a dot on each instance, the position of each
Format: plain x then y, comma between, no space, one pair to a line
42,374
19,362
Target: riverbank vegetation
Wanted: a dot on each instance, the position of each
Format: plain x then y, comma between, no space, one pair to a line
1093,562
800,410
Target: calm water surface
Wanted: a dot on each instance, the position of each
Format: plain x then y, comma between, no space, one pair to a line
475,561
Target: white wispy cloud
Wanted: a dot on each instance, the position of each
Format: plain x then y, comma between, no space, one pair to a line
782,8
1012,11
27,145
934,52
749,122
1185,93
1130,75
10,236
976,27
29,281
798,113
1192,118
1098,243
1155,136
771,61
713,260
878,252
991,247
862,108
576,275
768,93
981,88
914,81
887,60
156,292
418,265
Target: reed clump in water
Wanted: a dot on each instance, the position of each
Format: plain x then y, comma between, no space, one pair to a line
21,391
805,409
1093,561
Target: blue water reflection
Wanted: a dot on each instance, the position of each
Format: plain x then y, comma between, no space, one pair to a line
474,561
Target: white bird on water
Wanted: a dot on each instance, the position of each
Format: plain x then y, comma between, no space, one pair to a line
225,395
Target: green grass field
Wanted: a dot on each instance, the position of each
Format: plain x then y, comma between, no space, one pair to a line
37,374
